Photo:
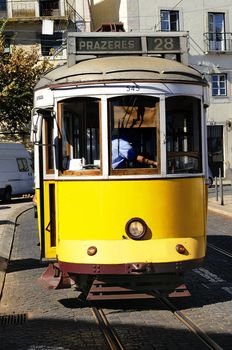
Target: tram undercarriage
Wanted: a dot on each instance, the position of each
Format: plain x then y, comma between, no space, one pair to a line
137,280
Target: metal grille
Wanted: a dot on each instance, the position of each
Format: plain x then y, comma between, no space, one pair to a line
13,319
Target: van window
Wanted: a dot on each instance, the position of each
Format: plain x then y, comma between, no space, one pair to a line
22,164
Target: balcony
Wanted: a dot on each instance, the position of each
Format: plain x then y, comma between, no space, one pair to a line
22,9
37,9
218,42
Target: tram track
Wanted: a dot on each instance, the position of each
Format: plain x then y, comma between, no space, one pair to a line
114,342
111,337
199,333
220,250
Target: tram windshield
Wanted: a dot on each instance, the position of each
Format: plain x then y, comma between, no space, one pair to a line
183,134
134,127
134,135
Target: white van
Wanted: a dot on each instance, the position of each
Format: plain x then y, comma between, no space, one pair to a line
16,173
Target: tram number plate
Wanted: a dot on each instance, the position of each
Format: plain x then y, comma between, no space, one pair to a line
163,44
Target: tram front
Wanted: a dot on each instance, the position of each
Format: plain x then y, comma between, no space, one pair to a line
121,170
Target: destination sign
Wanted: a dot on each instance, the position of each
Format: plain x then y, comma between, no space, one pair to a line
127,44
108,44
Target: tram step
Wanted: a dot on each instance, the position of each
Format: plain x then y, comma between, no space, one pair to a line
106,290
53,278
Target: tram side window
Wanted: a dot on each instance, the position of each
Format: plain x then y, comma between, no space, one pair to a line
134,128
80,134
49,135
183,134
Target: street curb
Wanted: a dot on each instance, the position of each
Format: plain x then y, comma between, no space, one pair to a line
220,211
6,240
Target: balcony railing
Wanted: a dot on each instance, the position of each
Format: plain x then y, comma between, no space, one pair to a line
22,9
218,42
38,8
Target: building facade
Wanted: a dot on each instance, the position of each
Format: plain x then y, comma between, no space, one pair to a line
209,25
43,23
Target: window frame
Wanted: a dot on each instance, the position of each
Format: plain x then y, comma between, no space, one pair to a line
218,82
3,5
169,21
48,43
49,145
22,164
81,172
183,136
142,170
49,8
217,39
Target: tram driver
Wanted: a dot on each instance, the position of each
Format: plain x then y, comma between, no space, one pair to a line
123,152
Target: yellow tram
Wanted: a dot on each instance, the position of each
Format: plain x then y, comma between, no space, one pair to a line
120,164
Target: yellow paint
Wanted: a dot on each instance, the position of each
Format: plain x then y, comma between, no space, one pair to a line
98,210
50,252
129,251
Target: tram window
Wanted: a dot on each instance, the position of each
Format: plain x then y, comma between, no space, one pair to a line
134,128
80,134
183,134
49,135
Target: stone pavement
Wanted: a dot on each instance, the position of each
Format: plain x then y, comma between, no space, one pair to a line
222,205
8,218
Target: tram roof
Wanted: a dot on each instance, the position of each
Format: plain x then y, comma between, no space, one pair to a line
121,68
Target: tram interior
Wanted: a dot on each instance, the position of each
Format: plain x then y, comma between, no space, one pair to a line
183,135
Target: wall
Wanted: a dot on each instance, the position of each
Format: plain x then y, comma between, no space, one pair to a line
104,12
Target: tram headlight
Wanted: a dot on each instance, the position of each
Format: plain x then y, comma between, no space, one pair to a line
136,228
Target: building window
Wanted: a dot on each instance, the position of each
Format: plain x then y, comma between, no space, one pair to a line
216,24
219,85
8,41
169,20
49,8
50,43
2,5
